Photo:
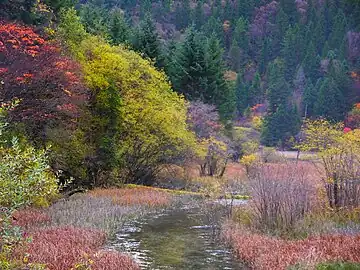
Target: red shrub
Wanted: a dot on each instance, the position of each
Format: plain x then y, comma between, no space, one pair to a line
34,70
61,247
30,217
109,260
263,252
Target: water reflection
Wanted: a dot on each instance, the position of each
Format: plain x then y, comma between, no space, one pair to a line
174,239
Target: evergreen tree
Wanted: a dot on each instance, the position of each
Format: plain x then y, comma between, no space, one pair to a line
264,56
320,33
245,8
182,14
330,102
289,52
199,15
218,91
289,8
311,62
256,94
94,19
235,56
282,120
338,31
309,99
242,95
146,41
278,90
280,126
118,28
188,66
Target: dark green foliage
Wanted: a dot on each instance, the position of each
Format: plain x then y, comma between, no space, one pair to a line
146,40
278,91
309,99
282,121
330,101
312,62
17,10
289,52
280,126
118,28
242,95
188,66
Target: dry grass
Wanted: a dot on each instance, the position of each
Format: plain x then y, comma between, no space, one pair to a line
139,196
71,232
263,252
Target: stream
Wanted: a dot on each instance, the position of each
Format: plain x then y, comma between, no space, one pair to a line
174,239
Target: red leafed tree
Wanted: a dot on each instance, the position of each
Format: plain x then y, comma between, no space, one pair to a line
48,84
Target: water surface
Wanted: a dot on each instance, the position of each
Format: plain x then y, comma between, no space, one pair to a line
175,239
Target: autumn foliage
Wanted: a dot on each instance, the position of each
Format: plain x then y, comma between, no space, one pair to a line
263,252
33,70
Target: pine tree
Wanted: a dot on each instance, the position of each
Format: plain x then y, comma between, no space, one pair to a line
319,33
264,56
278,90
311,63
187,71
242,95
146,41
182,14
198,15
338,31
289,52
240,35
330,102
280,126
235,56
309,99
289,8
256,94
245,8
218,91
118,28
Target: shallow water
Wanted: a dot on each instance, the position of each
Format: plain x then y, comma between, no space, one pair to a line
174,239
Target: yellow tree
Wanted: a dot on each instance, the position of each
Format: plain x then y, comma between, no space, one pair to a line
339,153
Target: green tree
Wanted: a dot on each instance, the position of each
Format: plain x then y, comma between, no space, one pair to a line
188,66
118,28
289,52
242,95
309,99
280,126
146,41
311,62
338,31
330,102
278,91
218,91
256,94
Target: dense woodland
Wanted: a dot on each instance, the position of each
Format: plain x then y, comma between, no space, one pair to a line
184,108
75,71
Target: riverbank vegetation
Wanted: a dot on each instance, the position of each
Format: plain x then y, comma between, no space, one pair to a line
111,110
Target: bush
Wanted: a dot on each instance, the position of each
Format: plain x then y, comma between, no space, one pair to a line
25,176
281,196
